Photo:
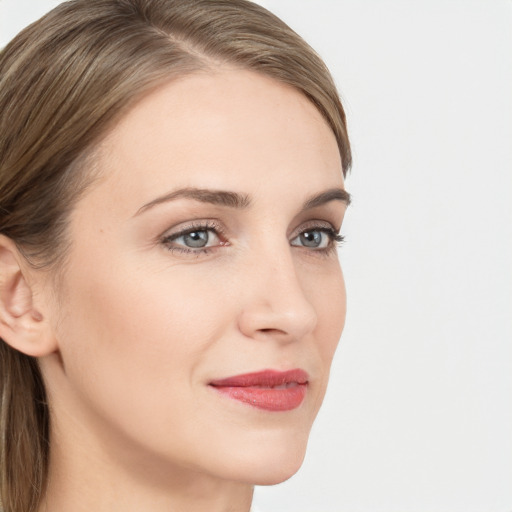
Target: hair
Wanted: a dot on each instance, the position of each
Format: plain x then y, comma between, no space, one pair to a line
64,82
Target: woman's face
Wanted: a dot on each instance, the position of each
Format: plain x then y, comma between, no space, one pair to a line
205,251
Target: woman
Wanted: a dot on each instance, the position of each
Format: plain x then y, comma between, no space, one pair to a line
171,191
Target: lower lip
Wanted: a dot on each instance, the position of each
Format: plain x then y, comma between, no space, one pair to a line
269,399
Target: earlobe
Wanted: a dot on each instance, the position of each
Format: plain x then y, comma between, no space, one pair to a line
22,325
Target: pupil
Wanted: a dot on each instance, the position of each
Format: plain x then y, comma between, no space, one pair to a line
311,238
196,239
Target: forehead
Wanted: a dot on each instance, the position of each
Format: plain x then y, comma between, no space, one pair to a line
225,129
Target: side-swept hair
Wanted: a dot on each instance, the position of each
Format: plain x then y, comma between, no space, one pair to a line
64,82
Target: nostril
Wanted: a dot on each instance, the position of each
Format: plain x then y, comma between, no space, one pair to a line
271,330
279,318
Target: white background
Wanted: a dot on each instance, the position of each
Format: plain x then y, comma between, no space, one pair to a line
418,417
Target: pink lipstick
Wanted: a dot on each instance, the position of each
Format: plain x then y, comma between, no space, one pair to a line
269,389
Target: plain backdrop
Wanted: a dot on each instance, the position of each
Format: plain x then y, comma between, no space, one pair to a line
418,417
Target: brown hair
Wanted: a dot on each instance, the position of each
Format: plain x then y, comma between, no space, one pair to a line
64,81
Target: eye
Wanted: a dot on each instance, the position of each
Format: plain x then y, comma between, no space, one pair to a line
196,238
317,238
313,239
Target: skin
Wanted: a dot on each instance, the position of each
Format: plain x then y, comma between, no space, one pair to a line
140,326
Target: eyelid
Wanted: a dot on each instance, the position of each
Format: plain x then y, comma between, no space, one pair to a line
188,227
314,224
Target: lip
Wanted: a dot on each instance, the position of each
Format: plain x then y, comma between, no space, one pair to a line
271,390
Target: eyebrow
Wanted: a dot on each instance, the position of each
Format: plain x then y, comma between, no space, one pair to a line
333,194
240,201
218,197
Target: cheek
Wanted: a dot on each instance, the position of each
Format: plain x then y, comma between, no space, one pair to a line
326,292
331,306
126,338
135,350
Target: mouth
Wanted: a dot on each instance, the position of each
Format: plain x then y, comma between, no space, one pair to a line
270,390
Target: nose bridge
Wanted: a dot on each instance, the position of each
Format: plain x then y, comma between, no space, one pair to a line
276,302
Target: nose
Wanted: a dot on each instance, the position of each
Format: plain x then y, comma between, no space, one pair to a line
275,304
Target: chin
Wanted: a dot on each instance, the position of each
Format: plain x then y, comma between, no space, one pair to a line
278,473
280,470
271,463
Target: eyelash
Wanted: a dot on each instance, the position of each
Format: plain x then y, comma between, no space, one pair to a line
200,226
335,239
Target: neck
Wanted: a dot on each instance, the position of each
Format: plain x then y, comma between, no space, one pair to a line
88,472
90,483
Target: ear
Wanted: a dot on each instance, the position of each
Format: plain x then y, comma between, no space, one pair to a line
22,325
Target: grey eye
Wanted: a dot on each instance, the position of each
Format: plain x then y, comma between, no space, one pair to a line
193,239
196,239
312,239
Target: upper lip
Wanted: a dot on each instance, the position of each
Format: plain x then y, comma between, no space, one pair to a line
264,379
